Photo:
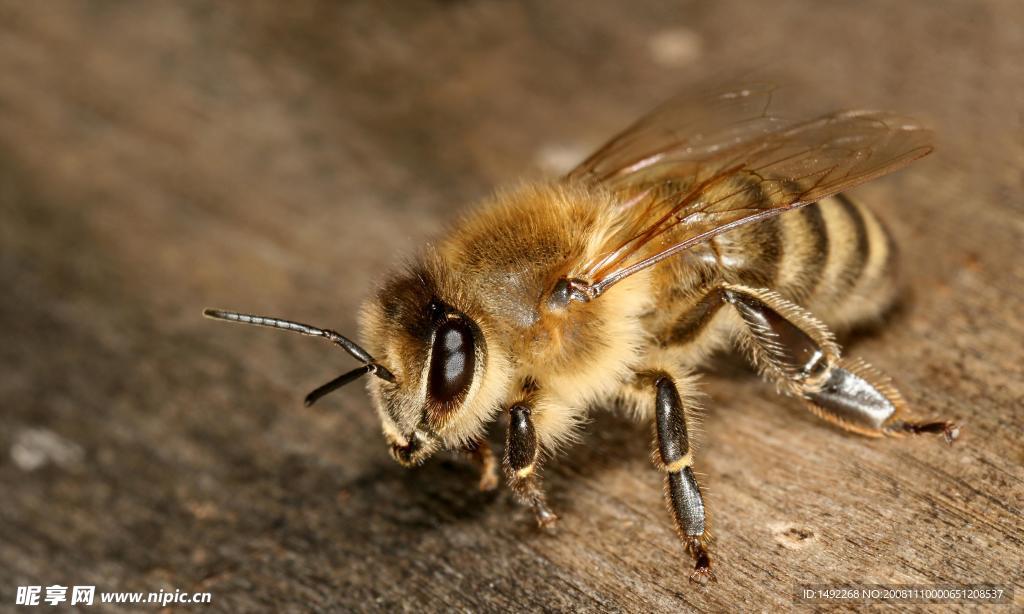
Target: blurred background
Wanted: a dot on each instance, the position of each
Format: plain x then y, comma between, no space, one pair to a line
160,157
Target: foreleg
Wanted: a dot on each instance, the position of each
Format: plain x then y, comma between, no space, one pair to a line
483,457
522,460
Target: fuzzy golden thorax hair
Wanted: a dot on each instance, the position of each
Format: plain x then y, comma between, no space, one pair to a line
489,277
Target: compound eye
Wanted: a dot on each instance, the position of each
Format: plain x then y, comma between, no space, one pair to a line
451,362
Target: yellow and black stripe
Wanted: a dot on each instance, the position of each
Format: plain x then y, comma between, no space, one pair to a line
834,258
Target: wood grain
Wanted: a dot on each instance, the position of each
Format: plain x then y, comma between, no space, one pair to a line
158,158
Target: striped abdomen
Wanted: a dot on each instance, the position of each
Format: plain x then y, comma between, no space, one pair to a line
834,258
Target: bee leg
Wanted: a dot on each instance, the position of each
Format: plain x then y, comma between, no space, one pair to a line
521,461
482,455
675,458
793,348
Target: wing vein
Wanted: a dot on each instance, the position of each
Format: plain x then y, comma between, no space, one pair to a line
671,172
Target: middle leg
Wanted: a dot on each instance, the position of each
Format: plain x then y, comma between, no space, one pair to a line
674,457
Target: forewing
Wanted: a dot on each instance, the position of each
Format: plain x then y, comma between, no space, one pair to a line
698,186
689,126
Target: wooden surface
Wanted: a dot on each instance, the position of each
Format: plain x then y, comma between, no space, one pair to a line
156,158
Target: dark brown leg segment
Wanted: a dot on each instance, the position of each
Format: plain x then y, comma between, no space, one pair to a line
682,494
521,461
794,349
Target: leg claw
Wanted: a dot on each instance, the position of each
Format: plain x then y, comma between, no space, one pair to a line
703,575
949,430
546,519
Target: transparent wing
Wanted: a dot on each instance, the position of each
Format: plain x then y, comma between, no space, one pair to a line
688,126
681,186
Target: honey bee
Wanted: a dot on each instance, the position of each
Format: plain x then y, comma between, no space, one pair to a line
711,223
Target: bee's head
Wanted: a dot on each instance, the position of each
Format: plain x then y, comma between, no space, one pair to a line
436,379
447,373
439,367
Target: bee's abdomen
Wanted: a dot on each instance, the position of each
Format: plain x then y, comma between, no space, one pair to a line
858,280
834,258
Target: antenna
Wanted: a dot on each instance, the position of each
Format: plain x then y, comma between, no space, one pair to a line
354,350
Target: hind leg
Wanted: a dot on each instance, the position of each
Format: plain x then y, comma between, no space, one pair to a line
795,350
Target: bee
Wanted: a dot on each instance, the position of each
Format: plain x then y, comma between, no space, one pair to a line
712,223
